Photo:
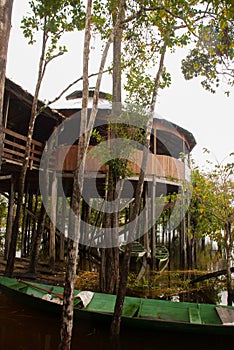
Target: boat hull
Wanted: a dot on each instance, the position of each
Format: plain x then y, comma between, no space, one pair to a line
139,313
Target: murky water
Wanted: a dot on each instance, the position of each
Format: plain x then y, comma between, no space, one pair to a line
22,328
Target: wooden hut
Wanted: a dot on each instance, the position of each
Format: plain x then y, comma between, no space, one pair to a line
165,171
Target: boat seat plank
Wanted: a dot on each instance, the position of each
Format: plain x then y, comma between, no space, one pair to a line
131,310
226,315
194,316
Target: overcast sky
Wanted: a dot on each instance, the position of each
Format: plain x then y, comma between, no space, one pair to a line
209,117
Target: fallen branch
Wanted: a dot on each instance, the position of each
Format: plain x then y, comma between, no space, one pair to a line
210,275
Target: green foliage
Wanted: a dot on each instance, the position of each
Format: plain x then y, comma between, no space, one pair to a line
213,55
211,208
206,25
53,18
153,23
127,135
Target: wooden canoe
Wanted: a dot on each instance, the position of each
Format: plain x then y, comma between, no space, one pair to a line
142,313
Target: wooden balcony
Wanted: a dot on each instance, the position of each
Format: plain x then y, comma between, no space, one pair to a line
158,165
65,157
13,150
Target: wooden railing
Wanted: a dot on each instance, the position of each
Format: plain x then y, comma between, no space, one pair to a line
14,149
158,165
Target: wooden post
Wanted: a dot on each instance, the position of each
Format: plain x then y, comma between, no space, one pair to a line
62,233
183,245
10,216
155,141
6,109
146,223
4,121
53,219
26,222
153,231
34,220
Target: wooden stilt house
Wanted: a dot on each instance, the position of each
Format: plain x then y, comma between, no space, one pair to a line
165,172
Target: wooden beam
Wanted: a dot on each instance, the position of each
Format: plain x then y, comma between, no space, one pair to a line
10,216
5,177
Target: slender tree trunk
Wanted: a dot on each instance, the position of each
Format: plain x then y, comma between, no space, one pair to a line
86,127
116,321
23,172
110,257
5,27
74,229
109,272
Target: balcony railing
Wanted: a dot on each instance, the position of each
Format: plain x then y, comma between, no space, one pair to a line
64,158
14,145
158,165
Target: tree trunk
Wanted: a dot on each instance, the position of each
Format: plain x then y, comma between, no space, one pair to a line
86,127
116,321
109,272
15,230
74,229
5,27
110,257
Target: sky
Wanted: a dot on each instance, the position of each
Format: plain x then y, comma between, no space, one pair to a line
209,117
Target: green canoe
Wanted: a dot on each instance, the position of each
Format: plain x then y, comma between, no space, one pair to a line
137,312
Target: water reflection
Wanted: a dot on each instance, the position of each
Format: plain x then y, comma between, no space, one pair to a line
176,286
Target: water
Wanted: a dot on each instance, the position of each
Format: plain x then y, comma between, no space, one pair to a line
22,328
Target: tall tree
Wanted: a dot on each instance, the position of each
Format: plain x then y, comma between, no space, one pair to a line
86,127
109,271
116,322
5,27
159,21
159,24
52,19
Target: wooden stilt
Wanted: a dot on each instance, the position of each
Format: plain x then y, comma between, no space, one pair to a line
10,216
62,233
53,216
146,218
153,231
25,222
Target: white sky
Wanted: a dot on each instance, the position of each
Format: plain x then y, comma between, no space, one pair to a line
209,117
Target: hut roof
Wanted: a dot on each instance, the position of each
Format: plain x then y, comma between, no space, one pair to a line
19,112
